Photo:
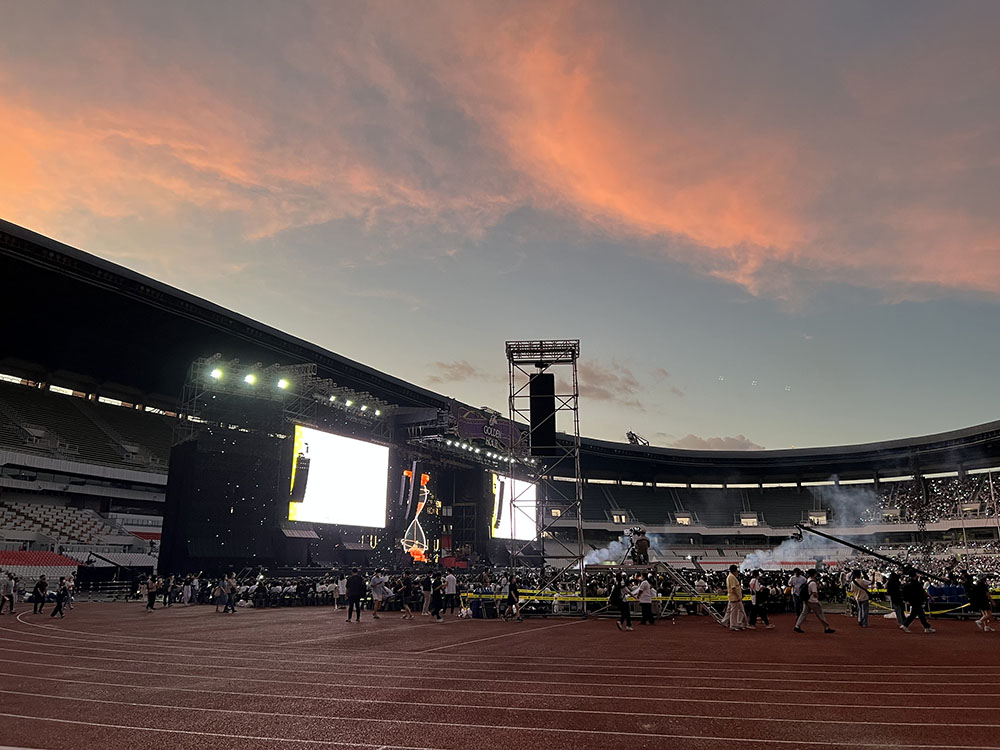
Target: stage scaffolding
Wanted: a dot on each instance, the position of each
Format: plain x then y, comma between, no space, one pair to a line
555,468
218,393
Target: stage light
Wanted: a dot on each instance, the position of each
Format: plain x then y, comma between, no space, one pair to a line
216,373
378,412
348,403
282,384
478,451
448,443
333,398
364,407
250,378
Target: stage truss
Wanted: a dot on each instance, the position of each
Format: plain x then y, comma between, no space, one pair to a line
555,499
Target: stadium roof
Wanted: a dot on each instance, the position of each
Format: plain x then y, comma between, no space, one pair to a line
86,322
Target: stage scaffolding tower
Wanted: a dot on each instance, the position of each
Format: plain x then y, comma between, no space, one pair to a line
555,467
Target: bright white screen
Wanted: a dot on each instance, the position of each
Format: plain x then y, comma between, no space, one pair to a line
525,510
346,483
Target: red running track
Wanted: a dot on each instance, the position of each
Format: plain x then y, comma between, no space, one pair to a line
112,676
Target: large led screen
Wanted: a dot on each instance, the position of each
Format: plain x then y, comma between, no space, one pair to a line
521,521
337,480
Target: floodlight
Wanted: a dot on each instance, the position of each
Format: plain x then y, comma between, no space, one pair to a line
250,378
216,374
364,407
333,398
282,384
348,403
378,412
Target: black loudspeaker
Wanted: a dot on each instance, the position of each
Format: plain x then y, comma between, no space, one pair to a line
542,391
499,508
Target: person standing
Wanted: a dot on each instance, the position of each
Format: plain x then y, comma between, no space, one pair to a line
341,591
406,595
758,602
230,586
795,583
437,597
619,598
61,596
915,596
151,589
450,591
643,592
70,586
811,595
39,593
186,591
8,592
859,587
735,617
378,593
641,544
196,589
355,591
893,587
426,586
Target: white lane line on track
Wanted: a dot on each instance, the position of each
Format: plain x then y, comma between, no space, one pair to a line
494,727
424,689
366,659
452,704
491,680
409,656
220,734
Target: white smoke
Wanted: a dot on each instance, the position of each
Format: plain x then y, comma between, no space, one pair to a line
614,552
788,552
847,504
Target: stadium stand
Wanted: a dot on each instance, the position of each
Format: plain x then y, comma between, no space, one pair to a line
28,565
62,523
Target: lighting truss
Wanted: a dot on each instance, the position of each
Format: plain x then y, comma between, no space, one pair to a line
559,357
221,392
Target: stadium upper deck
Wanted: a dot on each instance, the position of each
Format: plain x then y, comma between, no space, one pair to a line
86,323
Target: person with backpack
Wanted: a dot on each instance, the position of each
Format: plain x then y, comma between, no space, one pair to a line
859,587
809,593
619,600
758,602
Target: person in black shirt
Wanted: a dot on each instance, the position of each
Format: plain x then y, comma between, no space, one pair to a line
61,593
437,597
619,599
894,588
39,593
513,600
915,596
355,591
425,587
405,595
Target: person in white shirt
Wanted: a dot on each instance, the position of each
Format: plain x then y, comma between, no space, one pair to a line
795,583
8,592
70,585
643,593
450,592
812,605
378,592
341,590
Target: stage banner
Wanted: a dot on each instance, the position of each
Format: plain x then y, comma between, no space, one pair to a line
483,426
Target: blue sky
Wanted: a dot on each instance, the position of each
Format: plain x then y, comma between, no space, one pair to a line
771,224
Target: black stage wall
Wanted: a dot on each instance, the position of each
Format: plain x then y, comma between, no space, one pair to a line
224,503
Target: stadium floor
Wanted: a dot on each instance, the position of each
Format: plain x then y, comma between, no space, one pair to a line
111,676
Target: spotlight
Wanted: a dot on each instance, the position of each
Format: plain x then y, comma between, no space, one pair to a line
333,398
250,378
364,407
448,443
348,403
216,374
282,384
378,412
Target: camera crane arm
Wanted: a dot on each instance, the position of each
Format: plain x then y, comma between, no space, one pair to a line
869,551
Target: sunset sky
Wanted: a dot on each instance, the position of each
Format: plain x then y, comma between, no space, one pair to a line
770,223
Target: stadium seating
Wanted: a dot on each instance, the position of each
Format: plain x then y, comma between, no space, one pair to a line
28,566
62,523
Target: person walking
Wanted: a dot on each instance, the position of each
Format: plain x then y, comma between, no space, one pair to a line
619,599
406,595
513,600
151,588
735,617
916,597
355,591
39,593
70,587
979,601
758,602
859,587
810,593
61,595
230,587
